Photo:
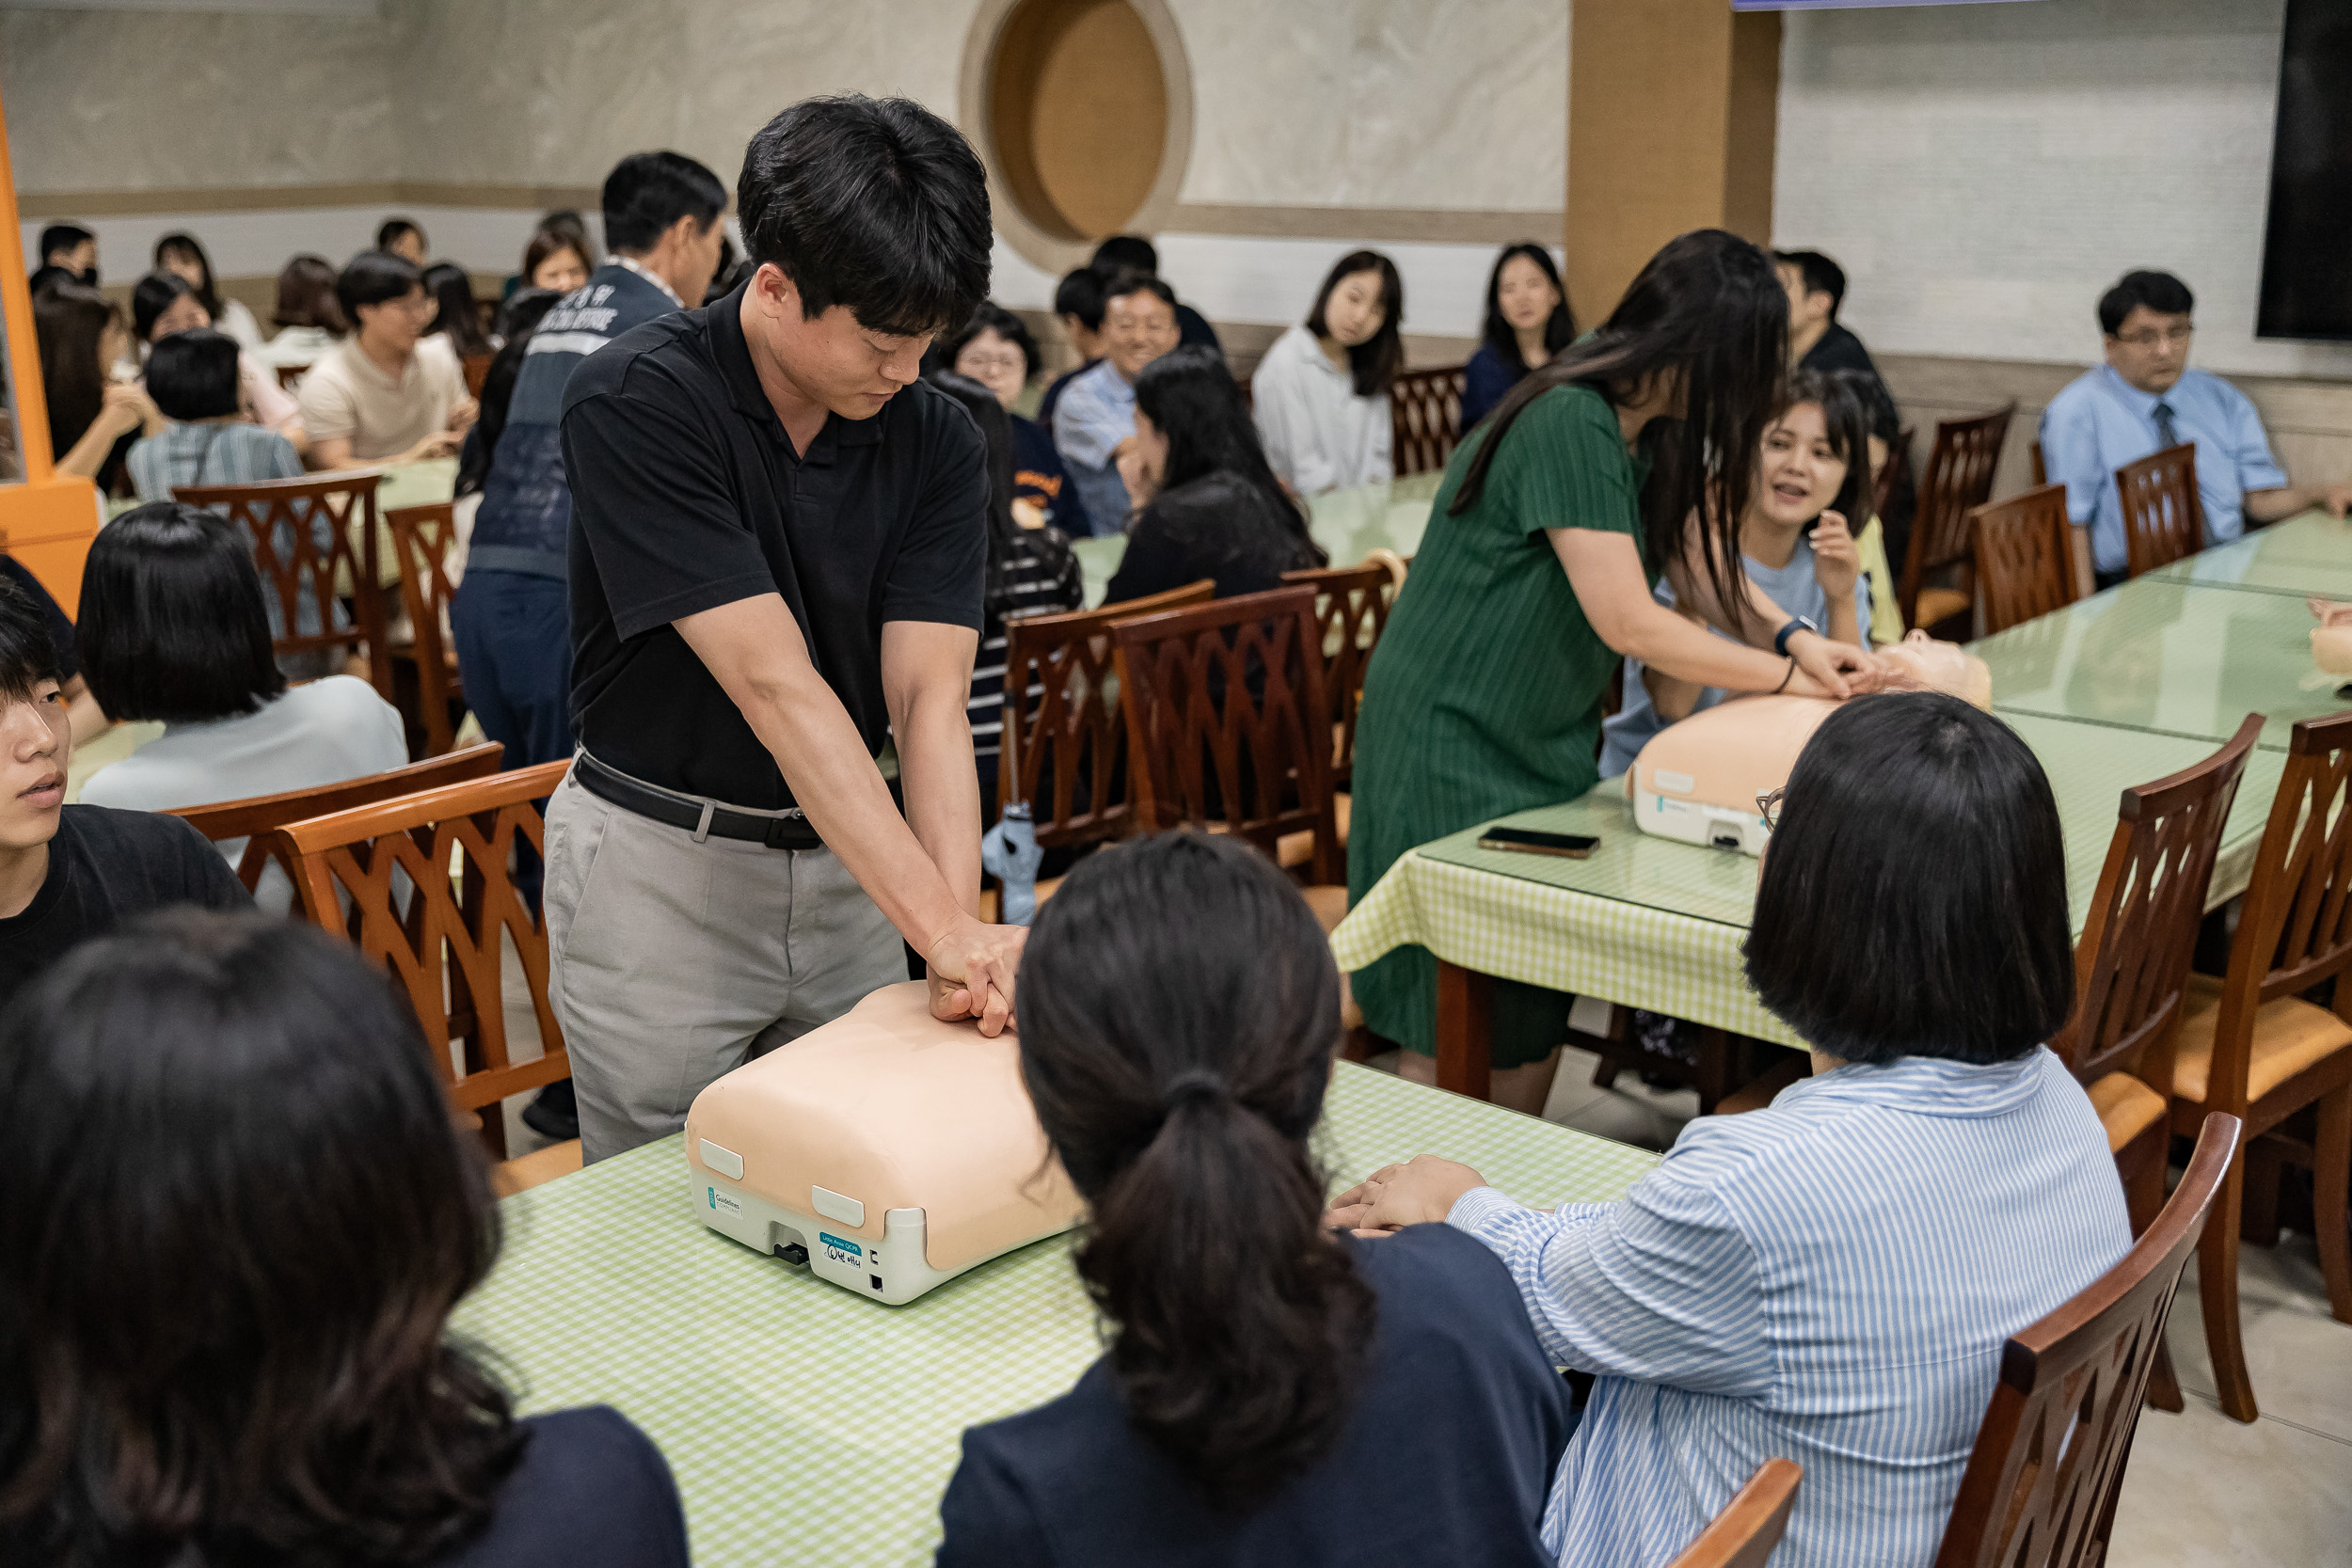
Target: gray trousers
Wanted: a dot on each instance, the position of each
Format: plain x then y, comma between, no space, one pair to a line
671,962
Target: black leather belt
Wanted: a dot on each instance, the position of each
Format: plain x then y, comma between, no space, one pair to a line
707,819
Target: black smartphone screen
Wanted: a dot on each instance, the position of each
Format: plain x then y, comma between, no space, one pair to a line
1530,841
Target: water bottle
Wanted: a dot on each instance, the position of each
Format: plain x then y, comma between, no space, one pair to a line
1008,853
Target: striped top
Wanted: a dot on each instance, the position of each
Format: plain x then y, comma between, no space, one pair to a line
1829,1280
231,452
1035,584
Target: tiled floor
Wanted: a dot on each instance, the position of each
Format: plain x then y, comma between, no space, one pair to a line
2202,1490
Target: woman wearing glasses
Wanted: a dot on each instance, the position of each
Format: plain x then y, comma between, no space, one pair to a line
1831,1279
1556,517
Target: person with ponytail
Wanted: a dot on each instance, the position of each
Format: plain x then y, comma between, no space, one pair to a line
1628,456
1273,1393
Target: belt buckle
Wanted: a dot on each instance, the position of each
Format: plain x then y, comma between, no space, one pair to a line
782,831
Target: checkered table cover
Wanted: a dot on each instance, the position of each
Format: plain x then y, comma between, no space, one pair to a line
808,1425
1656,923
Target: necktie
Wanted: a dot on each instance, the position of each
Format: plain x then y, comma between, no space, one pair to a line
2166,435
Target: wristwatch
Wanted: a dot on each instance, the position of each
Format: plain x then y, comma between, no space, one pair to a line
1780,637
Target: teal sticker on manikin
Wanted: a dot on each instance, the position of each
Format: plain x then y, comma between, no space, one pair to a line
850,1247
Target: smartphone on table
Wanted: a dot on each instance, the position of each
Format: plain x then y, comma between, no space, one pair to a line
1528,840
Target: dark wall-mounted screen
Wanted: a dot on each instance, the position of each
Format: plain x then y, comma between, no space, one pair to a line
2307,247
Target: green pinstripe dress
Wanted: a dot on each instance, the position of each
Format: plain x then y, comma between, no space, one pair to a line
1484,695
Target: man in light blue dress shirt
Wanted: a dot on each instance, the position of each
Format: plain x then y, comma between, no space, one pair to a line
2145,399
1097,415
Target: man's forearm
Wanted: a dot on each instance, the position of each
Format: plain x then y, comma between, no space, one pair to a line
2269,506
943,791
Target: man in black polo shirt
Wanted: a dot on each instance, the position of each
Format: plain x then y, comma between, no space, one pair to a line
778,532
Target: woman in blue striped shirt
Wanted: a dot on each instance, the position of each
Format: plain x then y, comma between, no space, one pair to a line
1831,1280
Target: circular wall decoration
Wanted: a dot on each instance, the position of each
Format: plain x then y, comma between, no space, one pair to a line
1085,114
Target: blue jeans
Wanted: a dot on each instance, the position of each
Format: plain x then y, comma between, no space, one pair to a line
515,655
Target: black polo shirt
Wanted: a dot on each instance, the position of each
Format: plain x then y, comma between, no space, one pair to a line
686,495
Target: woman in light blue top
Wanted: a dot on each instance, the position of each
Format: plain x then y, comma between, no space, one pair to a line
1812,474
1831,1279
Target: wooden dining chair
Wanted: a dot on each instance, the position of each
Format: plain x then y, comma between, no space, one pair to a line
289,376
2252,1047
1425,418
2025,558
424,539
1959,480
1229,726
1892,475
2042,1481
2040,469
477,369
1352,605
2164,518
281,515
257,818
1745,1534
1064,747
443,937
2131,967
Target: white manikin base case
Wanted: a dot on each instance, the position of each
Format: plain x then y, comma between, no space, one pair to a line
895,1150
1697,780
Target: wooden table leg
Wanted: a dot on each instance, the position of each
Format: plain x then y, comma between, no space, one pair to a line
1465,1030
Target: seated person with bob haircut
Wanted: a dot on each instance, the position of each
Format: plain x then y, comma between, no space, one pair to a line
172,630
2146,399
68,873
1831,1279
192,376
1178,1008
234,1217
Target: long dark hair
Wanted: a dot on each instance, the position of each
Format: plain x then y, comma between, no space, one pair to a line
1179,1081
458,315
996,431
1708,310
1375,360
71,321
1845,410
181,243
233,1219
1191,397
305,296
1559,331
154,294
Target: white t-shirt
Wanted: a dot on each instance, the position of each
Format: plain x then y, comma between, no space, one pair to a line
238,322
1318,433
324,733
347,397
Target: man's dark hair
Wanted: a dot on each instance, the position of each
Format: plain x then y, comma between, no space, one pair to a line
2159,292
233,1220
1866,958
391,229
172,625
372,278
647,192
1821,276
27,655
1128,283
1126,253
1080,294
193,375
992,317
62,236
876,204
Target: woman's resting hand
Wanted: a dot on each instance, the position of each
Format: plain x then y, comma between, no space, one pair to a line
1422,1190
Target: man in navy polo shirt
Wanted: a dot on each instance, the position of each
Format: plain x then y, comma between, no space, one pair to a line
778,535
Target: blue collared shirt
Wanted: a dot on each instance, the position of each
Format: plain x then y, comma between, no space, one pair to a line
1828,1280
2101,422
1095,414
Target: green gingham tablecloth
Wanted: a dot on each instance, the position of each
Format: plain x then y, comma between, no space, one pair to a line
808,1425
1657,924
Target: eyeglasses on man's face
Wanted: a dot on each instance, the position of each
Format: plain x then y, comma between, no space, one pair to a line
2168,337
1768,807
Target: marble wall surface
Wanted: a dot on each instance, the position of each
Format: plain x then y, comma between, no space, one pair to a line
1984,172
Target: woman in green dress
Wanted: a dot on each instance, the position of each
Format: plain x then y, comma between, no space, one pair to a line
1555,520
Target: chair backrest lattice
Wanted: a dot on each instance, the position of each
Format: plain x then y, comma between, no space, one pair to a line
314,542
2025,558
2295,928
1425,417
1745,1534
443,936
1893,473
1352,605
2041,1486
2164,519
1229,724
257,818
424,539
2131,962
1064,743
1959,480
